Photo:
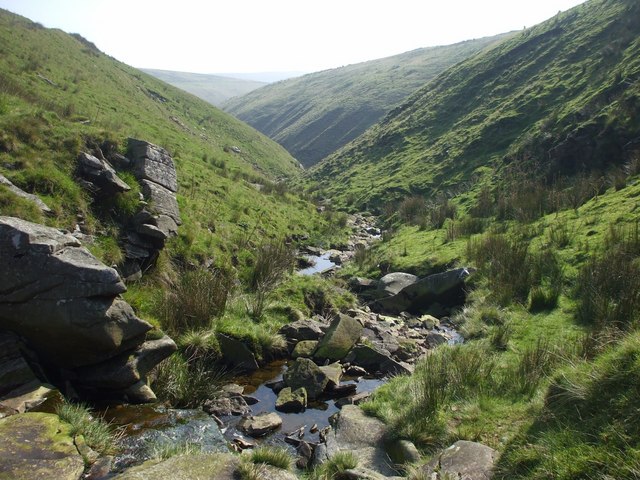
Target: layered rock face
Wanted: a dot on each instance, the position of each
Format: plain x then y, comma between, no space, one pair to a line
65,304
145,233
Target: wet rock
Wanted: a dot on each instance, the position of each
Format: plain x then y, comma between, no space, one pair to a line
304,373
260,425
38,445
236,354
355,371
291,400
225,406
342,390
100,468
342,335
463,459
27,196
304,349
446,287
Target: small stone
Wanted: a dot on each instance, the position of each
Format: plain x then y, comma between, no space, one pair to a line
260,425
291,400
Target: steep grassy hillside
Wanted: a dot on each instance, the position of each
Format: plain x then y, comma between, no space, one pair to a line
554,100
314,115
60,95
212,88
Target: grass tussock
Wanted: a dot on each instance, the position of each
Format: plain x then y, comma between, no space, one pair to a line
274,456
186,384
332,468
96,432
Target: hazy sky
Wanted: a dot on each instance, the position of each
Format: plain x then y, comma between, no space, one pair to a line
216,36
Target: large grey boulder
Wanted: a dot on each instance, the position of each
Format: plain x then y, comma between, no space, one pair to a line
342,335
392,283
464,460
441,288
65,304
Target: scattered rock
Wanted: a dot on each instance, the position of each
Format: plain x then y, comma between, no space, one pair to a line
27,196
465,460
236,354
260,425
304,349
291,400
376,360
333,373
306,329
343,333
304,373
101,175
38,445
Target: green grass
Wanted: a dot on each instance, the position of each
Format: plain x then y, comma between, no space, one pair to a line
97,434
508,108
333,467
274,456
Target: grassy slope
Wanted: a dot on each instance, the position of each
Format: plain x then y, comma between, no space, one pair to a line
560,96
314,115
57,94
213,88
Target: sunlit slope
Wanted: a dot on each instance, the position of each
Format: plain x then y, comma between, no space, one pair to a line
314,115
559,98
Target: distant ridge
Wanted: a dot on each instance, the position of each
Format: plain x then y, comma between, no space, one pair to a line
215,89
314,115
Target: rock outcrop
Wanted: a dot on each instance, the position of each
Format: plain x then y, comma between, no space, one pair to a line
65,304
446,288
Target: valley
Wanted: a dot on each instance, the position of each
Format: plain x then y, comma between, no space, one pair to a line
450,289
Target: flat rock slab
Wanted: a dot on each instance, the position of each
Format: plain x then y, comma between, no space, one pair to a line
260,425
464,460
38,446
362,435
185,467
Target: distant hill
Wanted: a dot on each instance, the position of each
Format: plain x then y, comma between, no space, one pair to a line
314,115
559,98
215,89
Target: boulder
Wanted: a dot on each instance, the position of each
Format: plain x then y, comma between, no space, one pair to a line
236,354
38,445
306,329
465,460
304,373
28,397
444,288
333,373
100,174
343,333
291,400
152,163
65,304
304,349
260,425
393,283
375,359
27,196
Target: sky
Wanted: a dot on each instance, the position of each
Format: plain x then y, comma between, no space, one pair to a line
243,36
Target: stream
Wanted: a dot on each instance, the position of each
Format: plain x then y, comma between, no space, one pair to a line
148,429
